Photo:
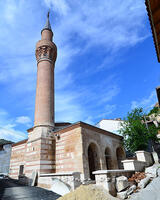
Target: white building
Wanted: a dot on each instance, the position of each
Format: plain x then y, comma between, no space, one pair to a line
5,155
111,125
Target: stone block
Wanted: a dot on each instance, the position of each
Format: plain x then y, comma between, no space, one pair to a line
59,187
144,157
152,171
131,189
134,165
122,195
121,183
155,157
144,182
107,178
72,179
158,171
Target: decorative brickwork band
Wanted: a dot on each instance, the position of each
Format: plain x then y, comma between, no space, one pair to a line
45,53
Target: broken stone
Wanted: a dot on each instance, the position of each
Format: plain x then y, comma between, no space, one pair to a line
155,157
144,182
131,189
121,183
152,171
158,171
122,195
33,178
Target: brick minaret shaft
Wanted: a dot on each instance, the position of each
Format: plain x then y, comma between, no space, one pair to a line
40,147
46,54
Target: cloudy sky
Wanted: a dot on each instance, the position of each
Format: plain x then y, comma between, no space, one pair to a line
106,62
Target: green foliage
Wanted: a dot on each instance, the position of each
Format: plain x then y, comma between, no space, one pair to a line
155,110
2,142
135,132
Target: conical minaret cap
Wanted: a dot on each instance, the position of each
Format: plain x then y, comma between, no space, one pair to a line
47,25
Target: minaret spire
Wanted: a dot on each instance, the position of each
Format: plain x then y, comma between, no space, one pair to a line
47,25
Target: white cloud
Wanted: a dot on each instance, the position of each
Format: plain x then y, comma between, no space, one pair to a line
8,129
101,22
67,108
109,93
23,120
105,112
10,10
60,6
146,103
9,132
108,109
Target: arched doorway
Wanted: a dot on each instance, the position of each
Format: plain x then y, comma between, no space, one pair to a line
120,156
93,159
108,158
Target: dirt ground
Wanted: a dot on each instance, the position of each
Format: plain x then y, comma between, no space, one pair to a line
88,192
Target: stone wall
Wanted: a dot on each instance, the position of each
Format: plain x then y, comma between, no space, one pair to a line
57,181
112,125
5,155
72,145
102,141
40,154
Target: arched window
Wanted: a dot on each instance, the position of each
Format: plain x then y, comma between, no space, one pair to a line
93,159
120,156
108,158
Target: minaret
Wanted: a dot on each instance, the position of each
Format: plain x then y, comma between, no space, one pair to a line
40,152
46,54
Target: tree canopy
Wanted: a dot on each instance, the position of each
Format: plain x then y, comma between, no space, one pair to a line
135,131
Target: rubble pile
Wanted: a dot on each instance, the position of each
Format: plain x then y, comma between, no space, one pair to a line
124,187
137,177
88,192
139,180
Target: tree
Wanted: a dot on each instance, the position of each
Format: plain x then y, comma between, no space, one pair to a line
135,132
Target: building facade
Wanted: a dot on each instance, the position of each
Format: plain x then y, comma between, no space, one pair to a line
60,147
111,125
153,9
5,155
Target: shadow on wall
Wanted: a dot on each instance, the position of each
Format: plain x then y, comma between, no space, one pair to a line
93,159
120,156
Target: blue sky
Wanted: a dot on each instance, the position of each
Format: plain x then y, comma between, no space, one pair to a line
106,62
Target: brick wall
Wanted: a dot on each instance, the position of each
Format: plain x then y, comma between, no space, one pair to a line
69,151
17,158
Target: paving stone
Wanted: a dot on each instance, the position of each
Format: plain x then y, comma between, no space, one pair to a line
11,190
